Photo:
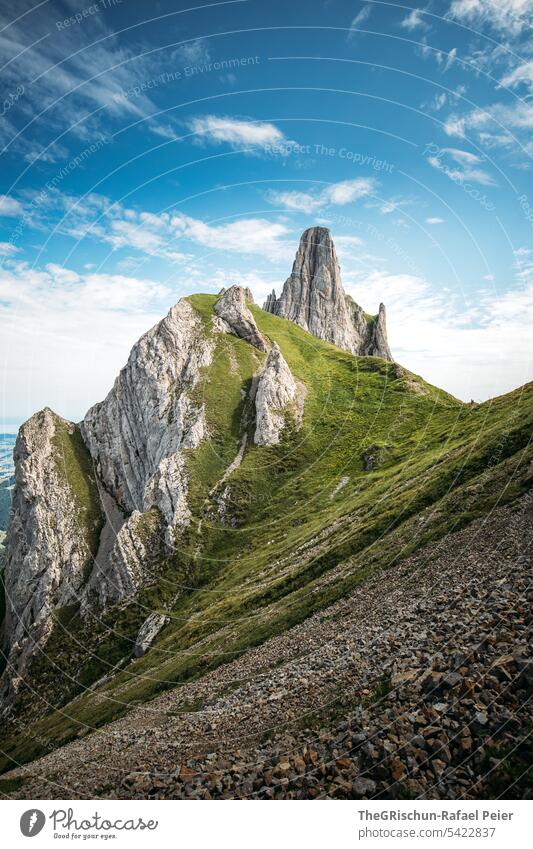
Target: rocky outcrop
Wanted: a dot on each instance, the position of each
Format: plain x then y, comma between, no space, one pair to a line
270,303
122,469
148,631
48,544
277,396
314,298
233,316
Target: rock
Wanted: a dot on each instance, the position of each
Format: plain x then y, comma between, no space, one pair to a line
235,317
453,679
314,298
50,535
135,434
148,632
277,396
403,677
270,303
364,787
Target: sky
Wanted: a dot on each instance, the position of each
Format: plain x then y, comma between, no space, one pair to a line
152,150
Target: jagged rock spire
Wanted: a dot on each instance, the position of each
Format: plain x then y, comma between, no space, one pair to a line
234,316
314,298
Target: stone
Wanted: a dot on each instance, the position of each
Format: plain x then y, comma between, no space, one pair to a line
277,396
235,317
148,632
397,769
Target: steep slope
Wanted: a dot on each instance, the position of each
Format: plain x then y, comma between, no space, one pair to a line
314,298
379,465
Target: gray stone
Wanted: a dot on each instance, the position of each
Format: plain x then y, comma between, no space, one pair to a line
277,396
148,631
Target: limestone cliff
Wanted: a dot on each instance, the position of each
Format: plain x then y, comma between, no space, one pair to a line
314,298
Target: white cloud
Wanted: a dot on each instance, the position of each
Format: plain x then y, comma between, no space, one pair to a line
450,58
496,125
509,16
169,235
9,207
296,201
337,194
237,132
348,191
414,20
246,236
359,19
66,335
471,351
433,221
461,165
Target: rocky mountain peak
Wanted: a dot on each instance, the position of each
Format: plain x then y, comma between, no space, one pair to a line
233,316
313,297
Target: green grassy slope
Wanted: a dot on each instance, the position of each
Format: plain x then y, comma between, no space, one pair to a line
305,521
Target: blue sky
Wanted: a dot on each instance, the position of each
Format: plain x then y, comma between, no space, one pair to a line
153,150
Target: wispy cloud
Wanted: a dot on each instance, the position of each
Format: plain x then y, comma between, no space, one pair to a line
449,341
78,79
359,19
167,235
461,165
496,125
522,75
193,52
10,207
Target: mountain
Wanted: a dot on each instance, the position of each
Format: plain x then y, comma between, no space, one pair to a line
314,298
245,495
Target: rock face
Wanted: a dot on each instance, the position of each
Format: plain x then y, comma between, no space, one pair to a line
135,436
48,549
133,443
277,394
314,298
148,632
98,506
235,317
